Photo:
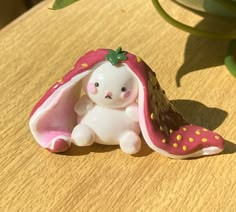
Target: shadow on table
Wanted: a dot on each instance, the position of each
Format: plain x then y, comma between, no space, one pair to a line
75,150
193,111
201,53
199,114
99,148
230,148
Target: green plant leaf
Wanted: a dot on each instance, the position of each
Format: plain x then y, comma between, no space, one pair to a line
59,4
192,30
230,59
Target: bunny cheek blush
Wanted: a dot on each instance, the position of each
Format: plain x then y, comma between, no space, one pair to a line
125,94
122,99
91,88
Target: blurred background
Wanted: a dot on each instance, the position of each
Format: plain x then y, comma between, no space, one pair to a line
11,9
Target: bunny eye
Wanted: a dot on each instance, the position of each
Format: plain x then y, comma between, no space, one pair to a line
96,84
123,89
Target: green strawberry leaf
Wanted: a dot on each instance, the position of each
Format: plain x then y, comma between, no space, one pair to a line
59,4
116,56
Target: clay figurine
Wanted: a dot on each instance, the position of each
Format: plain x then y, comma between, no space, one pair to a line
110,97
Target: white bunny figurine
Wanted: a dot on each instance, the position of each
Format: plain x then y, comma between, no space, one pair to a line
108,113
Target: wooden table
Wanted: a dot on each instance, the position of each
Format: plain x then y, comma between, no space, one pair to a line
39,47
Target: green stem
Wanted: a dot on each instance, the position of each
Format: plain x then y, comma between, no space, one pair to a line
230,58
184,27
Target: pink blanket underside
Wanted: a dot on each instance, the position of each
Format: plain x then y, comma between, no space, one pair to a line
59,119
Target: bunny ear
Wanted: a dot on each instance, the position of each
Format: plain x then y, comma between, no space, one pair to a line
53,121
53,118
163,112
165,130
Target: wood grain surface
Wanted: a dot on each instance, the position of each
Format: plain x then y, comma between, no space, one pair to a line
41,46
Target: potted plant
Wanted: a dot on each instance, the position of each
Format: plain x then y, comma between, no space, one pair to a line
217,7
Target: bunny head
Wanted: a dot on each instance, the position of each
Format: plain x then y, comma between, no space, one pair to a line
111,86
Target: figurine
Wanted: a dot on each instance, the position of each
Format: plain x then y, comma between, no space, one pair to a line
108,114
109,97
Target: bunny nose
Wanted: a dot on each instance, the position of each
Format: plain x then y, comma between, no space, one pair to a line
108,93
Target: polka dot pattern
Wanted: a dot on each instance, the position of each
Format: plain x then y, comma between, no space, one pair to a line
179,137
162,113
190,138
152,116
184,147
175,145
171,132
164,140
84,65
